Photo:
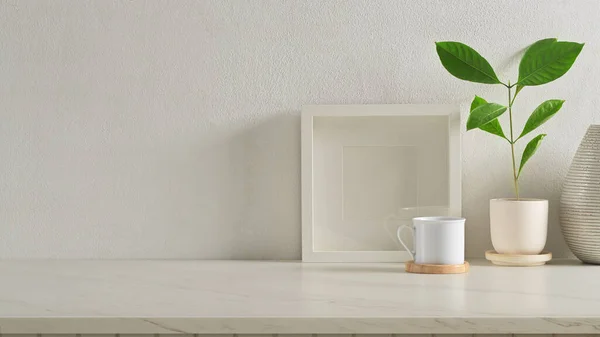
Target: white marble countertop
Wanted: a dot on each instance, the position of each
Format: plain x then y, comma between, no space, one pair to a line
291,297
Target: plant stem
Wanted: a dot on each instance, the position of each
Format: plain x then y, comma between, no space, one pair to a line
512,142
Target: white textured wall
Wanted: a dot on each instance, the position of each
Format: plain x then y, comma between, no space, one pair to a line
170,129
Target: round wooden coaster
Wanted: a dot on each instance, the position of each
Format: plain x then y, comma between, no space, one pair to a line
517,260
412,267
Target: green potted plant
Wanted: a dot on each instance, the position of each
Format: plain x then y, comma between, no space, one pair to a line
517,225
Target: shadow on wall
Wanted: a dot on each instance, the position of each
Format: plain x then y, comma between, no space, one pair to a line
510,64
259,190
475,207
240,197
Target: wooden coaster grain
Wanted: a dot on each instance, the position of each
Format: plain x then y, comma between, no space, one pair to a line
412,267
516,260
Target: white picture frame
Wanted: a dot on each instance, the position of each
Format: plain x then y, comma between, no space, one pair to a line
326,131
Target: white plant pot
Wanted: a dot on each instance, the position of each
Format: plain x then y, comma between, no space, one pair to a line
519,226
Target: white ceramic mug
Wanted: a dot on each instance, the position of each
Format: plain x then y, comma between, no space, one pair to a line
437,240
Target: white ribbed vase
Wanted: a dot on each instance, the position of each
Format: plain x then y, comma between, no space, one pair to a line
580,200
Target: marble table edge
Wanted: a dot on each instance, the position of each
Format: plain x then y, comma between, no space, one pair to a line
299,325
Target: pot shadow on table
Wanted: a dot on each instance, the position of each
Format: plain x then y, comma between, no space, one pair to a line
551,263
567,262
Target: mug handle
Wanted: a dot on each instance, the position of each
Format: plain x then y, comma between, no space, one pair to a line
398,232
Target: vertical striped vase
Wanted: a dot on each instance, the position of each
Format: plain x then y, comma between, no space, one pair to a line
580,200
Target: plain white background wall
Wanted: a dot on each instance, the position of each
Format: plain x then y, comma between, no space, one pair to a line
170,129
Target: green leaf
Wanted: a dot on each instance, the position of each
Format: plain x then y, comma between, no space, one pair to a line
492,127
541,114
519,88
477,101
484,114
530,149
465,63
538,46
546,60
